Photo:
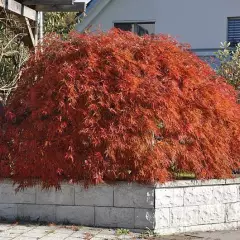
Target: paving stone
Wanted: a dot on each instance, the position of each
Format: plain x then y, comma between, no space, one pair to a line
15,231
52,236
4,227
94,230
110,234
82,234
234,235
98,237
22,228
46,228
63,230
78,235
73,238
211,227
128,236
9,234
26,238
38,233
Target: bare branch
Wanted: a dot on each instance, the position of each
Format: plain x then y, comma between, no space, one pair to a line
13,53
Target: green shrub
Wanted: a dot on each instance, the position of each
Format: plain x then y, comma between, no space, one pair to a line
229,67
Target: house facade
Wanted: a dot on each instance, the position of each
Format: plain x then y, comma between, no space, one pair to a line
201,23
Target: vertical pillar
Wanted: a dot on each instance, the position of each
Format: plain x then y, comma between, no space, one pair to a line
36,36
41,26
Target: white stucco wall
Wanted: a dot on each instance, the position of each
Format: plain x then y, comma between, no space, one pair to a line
203,23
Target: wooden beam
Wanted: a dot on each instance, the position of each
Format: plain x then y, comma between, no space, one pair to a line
3,3
18,8
30,31
48,2
77,7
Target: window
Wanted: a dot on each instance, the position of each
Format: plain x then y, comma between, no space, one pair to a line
234,31
140,28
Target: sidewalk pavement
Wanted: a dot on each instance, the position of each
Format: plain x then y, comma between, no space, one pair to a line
54,232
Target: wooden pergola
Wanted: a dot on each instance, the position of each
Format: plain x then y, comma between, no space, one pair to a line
30,9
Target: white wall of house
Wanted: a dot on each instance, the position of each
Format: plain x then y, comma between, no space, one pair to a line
202,23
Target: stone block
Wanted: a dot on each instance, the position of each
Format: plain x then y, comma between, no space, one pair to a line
65,196
114,217
169,197
210,214
9,195
233,212
162,218
207,206
212,182
194,196
46,213
225,194
184,216
133,195
179,183
75,214
191,183
144,218
233,181
8,211
101,196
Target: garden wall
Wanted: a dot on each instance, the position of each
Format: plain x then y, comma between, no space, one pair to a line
182,206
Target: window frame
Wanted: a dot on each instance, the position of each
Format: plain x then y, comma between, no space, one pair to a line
228,19
135,22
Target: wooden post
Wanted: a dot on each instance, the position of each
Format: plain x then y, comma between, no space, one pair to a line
18,8
41,6
30,31
36,30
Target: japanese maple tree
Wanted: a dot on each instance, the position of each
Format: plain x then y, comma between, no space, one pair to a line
116,106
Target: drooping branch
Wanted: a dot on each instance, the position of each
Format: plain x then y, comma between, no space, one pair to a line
13,53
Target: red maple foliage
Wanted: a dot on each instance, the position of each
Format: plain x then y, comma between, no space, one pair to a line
116,106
